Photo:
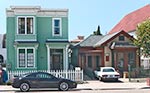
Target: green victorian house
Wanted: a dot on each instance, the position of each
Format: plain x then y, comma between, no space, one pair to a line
37,39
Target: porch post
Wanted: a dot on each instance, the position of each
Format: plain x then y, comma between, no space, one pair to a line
48,57
112,57
66,57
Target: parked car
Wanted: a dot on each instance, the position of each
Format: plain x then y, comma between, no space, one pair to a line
107,73
42,80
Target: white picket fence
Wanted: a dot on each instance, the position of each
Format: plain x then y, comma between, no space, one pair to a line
75,75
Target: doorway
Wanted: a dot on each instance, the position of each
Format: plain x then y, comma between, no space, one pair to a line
56,59
120,61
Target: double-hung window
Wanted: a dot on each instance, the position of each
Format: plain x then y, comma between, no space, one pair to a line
56,27
25,25
26,57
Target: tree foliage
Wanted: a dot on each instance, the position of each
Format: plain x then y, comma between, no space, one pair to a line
97,32
143,38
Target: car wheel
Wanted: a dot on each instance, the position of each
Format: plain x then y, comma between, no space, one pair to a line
63,86
100,79
24,87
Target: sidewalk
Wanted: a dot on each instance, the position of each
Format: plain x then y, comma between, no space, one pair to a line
122,84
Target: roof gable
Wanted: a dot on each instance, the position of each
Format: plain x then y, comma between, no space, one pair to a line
130,21
110,37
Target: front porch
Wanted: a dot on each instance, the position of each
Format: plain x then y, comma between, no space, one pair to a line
123,56
57,55
91,59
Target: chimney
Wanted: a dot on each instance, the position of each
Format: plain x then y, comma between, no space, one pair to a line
80,37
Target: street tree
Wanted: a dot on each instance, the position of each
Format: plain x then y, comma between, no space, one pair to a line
143,38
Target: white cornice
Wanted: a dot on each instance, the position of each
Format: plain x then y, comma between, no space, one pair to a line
35,10
25,7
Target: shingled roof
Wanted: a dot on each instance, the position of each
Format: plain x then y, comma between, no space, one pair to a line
90,41
130,21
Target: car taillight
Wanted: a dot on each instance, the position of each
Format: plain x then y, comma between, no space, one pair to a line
104,75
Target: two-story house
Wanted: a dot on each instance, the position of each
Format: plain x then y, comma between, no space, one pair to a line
37,39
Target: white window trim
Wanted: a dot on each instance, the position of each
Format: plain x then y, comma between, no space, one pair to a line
60,27
25,56
25,25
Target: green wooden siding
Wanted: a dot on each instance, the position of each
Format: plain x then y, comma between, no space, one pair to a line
9,43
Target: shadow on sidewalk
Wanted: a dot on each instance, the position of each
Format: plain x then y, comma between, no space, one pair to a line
145,88
108,81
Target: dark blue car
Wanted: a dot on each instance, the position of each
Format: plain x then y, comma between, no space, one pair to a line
42,80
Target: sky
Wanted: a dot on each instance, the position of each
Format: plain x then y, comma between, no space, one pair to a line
84,15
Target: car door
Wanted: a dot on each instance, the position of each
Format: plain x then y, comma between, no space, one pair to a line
53,82
33,80
46,80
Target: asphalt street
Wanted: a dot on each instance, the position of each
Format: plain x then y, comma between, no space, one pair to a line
92,87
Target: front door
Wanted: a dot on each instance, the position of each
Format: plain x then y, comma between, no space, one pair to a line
56,59
120,61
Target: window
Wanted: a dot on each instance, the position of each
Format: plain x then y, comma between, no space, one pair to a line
30,58
25,25
30,25
26,57
121,38
90,61
131,59
21,25
21,57
97,61
107,56
56,27
108,70
42,75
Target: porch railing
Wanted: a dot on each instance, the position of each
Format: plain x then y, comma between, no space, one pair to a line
75,75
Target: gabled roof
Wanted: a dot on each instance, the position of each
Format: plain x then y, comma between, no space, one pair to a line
130,21
110,37
90,41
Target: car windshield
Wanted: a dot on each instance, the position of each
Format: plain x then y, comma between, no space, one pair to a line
108,70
